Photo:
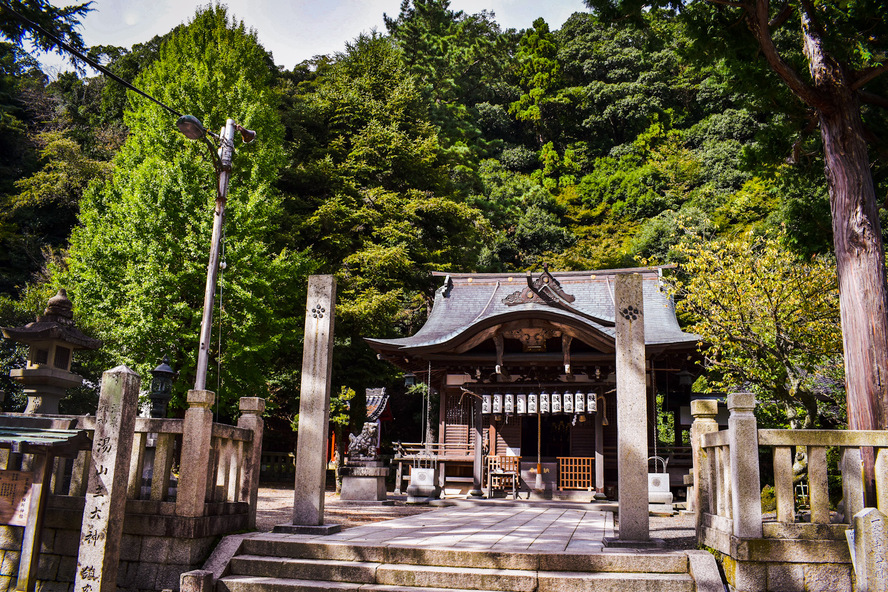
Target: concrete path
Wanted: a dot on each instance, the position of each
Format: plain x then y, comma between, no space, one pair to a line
483,527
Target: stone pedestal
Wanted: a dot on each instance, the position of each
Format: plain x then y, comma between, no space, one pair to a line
423,486
363,481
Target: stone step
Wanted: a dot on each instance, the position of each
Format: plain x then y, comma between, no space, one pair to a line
424,576
361,572
397,580
614,582
636,562
260,584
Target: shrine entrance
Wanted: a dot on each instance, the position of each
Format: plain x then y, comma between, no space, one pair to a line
537,355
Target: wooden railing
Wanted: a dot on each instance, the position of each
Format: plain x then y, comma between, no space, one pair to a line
576,473
440,450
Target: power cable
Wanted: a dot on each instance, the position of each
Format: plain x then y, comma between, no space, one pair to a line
89,61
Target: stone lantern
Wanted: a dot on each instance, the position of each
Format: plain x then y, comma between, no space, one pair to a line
52,340
161,388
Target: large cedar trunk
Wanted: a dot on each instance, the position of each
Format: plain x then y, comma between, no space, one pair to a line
860,260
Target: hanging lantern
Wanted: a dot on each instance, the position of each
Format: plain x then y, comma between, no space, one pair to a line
532,401
579,403
485,404
521,404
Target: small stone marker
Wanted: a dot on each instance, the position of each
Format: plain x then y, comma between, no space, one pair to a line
105,506
314,409
632,420
871,550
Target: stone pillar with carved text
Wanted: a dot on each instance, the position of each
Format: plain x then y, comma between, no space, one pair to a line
105,504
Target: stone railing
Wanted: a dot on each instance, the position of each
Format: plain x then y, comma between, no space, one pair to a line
787,549
190,481
183,476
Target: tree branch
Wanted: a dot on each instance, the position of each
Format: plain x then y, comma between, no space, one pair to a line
868,74
781,18
732,4
759,23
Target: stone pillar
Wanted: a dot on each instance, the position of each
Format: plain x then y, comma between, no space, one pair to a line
882,480
197,432
743,437
251,409
314,402
632,420
704,412
478,464
105,504
870,547
852,481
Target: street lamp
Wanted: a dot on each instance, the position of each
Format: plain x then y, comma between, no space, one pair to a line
192,128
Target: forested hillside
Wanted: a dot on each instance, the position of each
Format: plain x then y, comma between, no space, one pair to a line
443,143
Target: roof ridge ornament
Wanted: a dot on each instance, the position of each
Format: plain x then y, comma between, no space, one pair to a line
544,289
547,290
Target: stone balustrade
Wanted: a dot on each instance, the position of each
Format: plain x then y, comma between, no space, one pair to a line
795,547
190,481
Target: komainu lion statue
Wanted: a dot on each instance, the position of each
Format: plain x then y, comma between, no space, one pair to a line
364,445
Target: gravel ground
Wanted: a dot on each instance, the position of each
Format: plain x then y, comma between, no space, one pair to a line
275,506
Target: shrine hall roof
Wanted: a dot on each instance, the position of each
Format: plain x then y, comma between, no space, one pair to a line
585,298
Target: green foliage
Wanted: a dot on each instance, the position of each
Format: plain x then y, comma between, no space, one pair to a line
769,321
62,22
137,262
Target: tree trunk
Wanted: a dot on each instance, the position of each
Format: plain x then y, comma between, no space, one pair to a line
860,257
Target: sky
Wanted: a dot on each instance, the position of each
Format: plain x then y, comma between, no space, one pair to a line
293,30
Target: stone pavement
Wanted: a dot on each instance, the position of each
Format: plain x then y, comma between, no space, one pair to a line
485,527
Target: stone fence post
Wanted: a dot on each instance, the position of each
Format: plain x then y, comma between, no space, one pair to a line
251,418
743,438
197,432
704,412
882,480
870,546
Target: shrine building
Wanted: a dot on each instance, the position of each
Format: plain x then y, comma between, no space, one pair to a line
537,352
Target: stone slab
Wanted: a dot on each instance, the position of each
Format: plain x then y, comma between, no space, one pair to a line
321,530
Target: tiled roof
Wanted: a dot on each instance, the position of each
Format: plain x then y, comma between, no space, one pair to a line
469,300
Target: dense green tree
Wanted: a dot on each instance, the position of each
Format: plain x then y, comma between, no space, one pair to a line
459,62
137,263
768,321
373,179
539,74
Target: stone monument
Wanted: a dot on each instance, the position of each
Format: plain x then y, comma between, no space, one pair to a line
632,419
52,340
314,411
105,504
363,476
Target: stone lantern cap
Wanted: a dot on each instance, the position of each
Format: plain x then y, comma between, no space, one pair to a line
56,324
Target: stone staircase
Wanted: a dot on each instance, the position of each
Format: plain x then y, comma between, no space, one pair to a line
284,564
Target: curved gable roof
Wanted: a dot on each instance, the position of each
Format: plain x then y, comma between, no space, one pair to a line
469,303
